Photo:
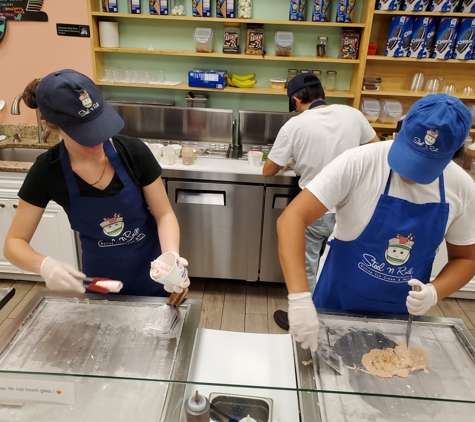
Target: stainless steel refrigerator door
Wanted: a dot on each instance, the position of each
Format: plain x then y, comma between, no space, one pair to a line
276,200
220,226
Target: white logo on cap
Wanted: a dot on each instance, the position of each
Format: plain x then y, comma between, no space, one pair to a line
85,99
431,137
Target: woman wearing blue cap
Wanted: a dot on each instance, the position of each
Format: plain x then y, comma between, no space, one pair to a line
109,186
395,203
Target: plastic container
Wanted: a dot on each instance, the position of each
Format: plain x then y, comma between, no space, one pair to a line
203,40
391,111
177,149
371,108
177,8
231,38
244,9
330,80
283,43
197,101
197,409
168,155
187,156
471,107
469,157
278,83
255,39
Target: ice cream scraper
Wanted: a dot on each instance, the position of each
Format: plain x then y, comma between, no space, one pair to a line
409,321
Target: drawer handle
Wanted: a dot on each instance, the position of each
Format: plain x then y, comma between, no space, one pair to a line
2,205
184,196
281,201
15,206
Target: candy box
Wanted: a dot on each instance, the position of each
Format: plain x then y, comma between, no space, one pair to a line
389,4
200,8
201,78
399,39
423,37
345,10
416,5
321,11
445,40
464,44
158,7
350,41
109,6
297,10
225,8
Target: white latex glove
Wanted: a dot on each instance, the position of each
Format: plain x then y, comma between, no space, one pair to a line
303,320
61,276
159,269
418,303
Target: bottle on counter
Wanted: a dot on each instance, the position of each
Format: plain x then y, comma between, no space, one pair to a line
168,155
197,408
187,155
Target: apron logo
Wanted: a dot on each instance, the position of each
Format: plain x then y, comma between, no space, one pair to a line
113,226
399,250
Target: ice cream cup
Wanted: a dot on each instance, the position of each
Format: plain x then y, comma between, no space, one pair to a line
178,272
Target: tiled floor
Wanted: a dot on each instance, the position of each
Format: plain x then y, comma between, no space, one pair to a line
234,305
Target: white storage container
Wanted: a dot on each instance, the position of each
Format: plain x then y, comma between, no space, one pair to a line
391,111
283,43
370,108
203,40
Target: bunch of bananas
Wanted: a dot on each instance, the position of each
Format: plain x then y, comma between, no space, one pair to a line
241,81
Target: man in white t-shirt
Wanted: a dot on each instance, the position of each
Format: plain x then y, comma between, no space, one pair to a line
395,203
313,139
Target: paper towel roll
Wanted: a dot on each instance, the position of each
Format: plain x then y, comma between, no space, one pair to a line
109,34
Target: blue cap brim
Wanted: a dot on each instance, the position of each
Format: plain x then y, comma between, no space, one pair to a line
98,130
414,166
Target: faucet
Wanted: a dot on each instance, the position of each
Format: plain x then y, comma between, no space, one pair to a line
42,133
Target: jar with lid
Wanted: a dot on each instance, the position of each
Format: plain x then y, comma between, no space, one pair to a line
317,73
322,46
244,9
330,80
290,74
304,70
255,39
177,7
231,38
469,157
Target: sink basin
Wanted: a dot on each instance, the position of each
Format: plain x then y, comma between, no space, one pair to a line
27,155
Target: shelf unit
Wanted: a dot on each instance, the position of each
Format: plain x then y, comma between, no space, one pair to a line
389,127
397,72
141,50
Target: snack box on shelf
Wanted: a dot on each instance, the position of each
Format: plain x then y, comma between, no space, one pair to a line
202,78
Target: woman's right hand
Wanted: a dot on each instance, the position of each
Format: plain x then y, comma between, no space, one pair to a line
61,276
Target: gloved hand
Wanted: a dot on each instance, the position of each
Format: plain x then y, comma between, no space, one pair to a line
159,269
303,320
418,303
61,276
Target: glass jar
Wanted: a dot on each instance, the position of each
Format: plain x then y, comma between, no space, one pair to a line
317,73
187,155
290,74
322,46
169,155
244,9
304,70
177,8
330,80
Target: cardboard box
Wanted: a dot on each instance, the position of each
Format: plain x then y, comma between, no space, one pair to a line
134,7
321,11
464,44
423,37
467,6
202,78
297,10
416,5
445,40
345,10
399,38
201,8
350,41
225,8
158,7
445,6
389,4
109,6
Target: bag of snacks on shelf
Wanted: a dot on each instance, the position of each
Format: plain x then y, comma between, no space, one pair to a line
200,8
389,4
416,5
399,38
225,8
321,11
350,42
255,39
345,10
297,10
422,40
158,7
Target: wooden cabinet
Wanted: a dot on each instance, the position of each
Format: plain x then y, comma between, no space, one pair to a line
166,43
397,72
53,237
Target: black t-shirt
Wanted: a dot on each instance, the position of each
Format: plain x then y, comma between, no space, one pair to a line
46,182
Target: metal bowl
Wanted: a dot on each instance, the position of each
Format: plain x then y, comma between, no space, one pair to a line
237,406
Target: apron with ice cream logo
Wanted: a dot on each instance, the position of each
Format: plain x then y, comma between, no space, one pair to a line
119,237
371,272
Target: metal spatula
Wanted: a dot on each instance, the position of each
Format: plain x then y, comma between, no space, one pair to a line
409,321
174,301
332,359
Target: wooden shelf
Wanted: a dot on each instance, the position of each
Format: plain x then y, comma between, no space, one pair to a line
312,59
378,58
392,126
228,89
409,94
422,13
228,20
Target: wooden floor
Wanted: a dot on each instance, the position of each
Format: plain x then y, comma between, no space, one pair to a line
234,305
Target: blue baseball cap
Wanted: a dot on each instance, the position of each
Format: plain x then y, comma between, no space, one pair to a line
434,128
73,102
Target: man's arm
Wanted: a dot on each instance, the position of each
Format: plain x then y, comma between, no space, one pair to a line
304,209
375,139
270,168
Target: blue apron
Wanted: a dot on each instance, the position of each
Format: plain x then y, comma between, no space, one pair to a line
118,234
371,272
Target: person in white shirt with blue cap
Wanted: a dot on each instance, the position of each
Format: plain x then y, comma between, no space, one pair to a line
395,201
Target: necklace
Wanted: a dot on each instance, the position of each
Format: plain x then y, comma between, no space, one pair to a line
103,170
